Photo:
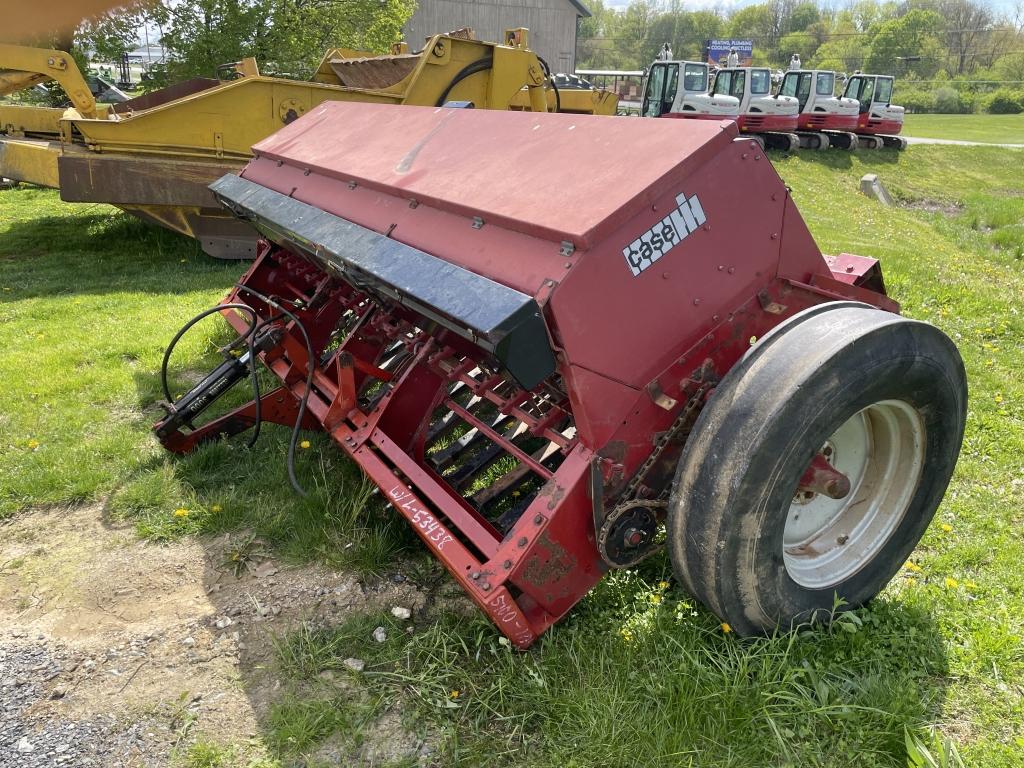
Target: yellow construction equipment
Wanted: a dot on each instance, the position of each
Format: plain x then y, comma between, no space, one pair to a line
25,67
155,155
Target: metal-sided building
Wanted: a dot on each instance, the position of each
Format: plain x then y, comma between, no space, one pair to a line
552,24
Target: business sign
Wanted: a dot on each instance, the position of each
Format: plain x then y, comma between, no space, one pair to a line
717,52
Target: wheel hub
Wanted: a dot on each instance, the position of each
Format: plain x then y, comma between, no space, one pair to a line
821,476
876,457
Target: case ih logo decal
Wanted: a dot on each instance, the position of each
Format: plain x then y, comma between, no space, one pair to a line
665,235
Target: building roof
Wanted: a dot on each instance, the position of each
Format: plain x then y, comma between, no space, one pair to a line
581,9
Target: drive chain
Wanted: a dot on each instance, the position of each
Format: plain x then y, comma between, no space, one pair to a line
682,424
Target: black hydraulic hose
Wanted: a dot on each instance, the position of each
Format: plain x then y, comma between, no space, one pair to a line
249,337
309,383
554,86
253,320
472,68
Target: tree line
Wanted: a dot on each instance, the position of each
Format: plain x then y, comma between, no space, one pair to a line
915,38
287,37
941,50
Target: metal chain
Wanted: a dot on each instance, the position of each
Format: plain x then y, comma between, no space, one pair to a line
692,406
681,421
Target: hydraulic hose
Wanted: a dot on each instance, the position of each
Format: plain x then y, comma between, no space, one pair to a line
480,65
249,337
309,383
551,79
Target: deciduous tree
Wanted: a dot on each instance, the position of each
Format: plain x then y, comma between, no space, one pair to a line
286,36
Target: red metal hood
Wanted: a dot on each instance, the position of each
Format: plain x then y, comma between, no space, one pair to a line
534,173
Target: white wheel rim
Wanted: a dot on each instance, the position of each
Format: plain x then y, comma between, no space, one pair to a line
881,450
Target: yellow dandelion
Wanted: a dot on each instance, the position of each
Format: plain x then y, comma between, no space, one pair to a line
656,599
32,444
726,628
626,635
999,398
947,527
663,585
515,494
912,567
216,508
912,581
181,512
951,583
454,694
989,363
304,444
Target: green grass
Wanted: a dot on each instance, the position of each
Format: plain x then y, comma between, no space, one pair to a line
637,674
640,677
990,129
206,754
89,298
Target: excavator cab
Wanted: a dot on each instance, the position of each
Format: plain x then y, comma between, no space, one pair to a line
797,85
869,90
808,86
753,87
663,96
824,120
732,82
770,119
879,120
662,84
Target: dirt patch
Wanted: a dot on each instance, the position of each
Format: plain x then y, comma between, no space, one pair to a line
386,742
164,640
934,206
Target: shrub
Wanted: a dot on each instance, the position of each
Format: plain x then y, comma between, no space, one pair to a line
1005,102
950,101
944,100
915,101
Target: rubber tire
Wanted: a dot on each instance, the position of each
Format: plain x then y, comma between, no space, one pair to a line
764,422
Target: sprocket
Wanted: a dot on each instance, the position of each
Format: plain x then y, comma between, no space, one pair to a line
630,533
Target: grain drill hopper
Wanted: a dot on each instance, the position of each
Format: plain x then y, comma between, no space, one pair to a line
553,365
155,155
